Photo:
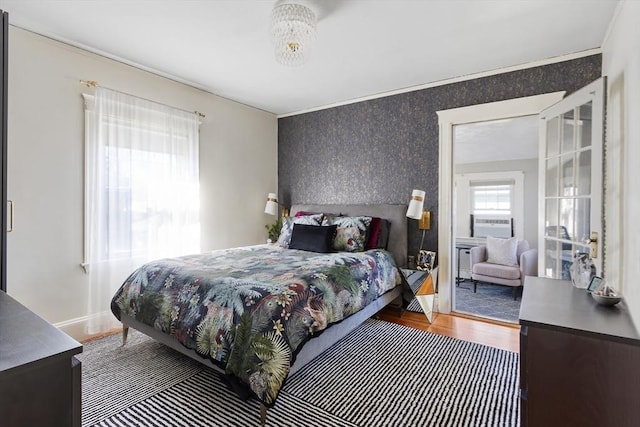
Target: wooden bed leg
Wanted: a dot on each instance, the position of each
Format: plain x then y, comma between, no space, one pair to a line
125,332
263,414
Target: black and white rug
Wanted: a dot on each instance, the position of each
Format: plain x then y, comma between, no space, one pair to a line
382,374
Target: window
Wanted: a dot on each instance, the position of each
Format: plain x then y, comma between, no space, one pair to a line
488,199
141,188
139,215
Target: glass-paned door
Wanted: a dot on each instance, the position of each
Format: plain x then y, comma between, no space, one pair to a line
571,159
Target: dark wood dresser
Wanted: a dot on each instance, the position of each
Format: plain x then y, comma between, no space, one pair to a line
579,362
39,375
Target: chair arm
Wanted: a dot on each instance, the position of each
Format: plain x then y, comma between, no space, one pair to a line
529,263
477,255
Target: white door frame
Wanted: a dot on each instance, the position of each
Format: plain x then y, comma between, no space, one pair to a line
447,119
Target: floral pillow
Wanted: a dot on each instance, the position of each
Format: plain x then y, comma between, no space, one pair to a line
351,235
287,226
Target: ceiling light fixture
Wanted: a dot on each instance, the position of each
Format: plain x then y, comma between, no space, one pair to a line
293,30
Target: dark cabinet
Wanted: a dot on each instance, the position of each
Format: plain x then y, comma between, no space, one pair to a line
579,362
4,84
39,375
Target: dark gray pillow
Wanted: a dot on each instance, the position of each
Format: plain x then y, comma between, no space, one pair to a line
313,238
383,238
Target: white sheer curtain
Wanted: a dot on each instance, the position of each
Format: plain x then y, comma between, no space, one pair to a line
142,191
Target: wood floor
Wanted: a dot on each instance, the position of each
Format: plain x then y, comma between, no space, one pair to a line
504,336
493,334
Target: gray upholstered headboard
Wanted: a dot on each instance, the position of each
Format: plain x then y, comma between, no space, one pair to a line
396,214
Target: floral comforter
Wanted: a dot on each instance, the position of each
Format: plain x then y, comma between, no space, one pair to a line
250,309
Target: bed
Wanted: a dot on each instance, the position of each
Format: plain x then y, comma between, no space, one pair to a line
259,314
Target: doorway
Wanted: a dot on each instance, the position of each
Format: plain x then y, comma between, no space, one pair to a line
495,167
447,120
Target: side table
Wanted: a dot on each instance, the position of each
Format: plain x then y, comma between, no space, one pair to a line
421,283
466,248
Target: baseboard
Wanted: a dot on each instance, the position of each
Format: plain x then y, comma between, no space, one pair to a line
86,327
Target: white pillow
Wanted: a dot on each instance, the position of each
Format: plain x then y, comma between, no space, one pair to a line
502,251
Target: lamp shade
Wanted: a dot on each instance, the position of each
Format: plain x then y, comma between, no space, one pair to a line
416,204
271,207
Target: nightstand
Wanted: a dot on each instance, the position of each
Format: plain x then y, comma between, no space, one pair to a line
422,286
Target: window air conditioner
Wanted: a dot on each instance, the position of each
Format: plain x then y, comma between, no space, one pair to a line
491,225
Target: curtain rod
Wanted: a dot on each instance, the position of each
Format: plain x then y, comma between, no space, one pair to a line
93,83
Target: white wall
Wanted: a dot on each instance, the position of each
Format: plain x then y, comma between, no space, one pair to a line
238,167
621,65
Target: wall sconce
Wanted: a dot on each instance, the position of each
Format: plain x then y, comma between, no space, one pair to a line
271,207
416,204
424,223
416,211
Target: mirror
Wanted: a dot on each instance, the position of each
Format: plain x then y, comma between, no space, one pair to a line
423,286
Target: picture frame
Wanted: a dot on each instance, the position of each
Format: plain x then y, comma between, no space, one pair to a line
595,284
426,260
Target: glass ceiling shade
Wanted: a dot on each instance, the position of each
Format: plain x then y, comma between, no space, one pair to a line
293,30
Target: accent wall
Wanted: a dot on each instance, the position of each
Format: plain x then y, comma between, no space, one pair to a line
377,151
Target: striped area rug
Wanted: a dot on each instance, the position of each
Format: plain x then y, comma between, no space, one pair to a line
115,377
382,374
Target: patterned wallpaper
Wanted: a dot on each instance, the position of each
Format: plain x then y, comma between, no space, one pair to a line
377,151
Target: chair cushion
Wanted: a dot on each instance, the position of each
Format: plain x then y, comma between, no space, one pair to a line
509,272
